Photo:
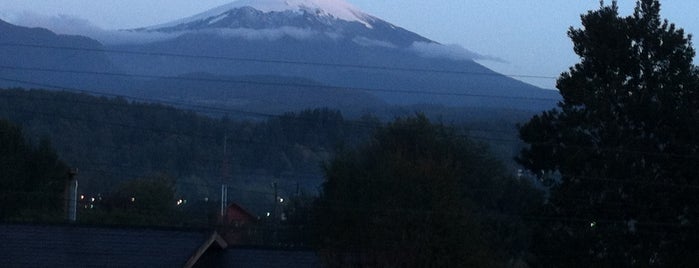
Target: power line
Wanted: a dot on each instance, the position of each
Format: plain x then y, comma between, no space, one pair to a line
382,68
278,84
351,206
158,130
496,188
588,178
288,62
193,107
493,188
350,122
581,147
202,108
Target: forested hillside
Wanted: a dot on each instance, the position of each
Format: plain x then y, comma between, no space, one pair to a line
155,165
111,140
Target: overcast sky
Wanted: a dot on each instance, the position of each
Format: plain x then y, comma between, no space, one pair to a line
529,34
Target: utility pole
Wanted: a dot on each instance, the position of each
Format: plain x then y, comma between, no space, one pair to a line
276,200
224,177
72,196
275,215
224,200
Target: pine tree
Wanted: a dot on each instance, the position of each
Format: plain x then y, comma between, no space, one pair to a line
621,149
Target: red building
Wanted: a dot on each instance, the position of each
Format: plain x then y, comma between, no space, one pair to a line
238,225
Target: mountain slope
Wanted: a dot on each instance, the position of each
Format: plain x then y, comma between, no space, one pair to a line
262,94
48,60
24,56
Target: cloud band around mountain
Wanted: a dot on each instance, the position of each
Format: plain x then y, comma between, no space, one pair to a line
453,52
70,25
65,24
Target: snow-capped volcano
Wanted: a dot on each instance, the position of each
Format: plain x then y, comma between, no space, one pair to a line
328,42
277,34
337,9
317,18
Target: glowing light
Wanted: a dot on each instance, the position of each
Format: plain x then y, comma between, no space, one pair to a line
179,202
281,200
92,199
593,224
133,199
268,214
82,197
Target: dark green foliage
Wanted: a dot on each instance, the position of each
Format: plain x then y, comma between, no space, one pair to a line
148,195
112,140
416,195
144,201
32,178
296,229
621,150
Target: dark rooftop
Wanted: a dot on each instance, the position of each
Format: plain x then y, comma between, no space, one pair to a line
77,246
259,257
27,245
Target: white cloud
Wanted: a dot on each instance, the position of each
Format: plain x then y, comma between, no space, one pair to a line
129,37
265,34
66,24
62,24
455,52
70,25
363,41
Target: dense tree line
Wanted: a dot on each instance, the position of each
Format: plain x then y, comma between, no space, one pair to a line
147,201
111,140
32,178
116,144
143,163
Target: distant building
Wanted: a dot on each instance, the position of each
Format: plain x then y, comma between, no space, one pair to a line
238,225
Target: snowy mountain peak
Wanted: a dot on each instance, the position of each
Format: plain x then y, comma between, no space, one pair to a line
319,20
335,8
338,9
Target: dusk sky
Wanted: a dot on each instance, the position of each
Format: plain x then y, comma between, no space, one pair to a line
529,35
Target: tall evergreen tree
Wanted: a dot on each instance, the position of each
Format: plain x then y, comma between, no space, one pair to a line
418,195
622,147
